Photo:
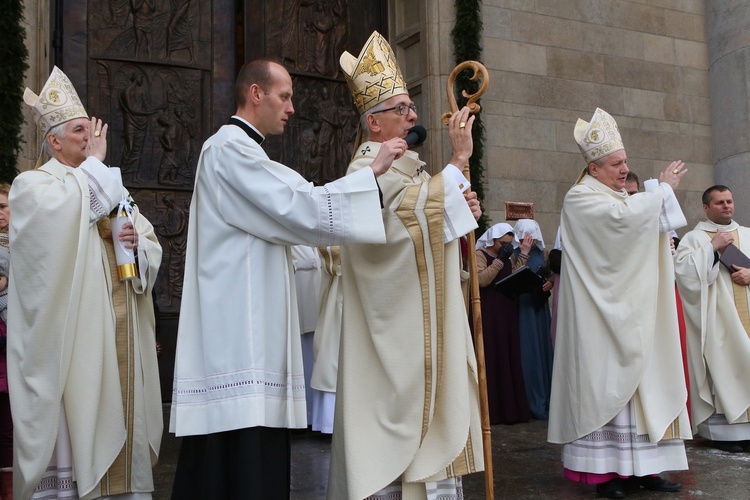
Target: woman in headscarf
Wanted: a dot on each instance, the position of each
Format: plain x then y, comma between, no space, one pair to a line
506,393
534,321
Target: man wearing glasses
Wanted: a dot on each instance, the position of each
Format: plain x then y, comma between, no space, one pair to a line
407,411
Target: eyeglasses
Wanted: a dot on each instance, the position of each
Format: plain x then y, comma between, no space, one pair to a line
403,109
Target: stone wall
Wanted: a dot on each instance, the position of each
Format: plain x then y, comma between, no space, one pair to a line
645,62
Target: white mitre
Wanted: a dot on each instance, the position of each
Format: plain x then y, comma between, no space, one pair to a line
598,138
57,103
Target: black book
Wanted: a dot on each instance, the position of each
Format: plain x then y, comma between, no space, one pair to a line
734,256
522,280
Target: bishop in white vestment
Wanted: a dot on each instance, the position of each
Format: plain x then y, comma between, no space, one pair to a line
407,412
618,393
84,380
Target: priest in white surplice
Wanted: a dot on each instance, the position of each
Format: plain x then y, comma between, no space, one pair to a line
407,411
618,392
239,384
715,301
84,380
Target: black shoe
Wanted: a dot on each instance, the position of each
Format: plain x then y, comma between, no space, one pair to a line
656,483
729,446
610,489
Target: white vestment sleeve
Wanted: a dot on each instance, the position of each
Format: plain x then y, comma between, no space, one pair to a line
458,217
275,203
149,253
671,217
711,266
359,219
458,176
105,187
139,285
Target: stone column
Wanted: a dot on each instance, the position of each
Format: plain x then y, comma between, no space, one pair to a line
728,37
37,25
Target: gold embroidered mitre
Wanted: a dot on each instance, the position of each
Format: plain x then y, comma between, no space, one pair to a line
598,138
57,103
375,75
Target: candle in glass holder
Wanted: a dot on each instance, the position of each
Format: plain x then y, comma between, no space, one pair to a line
125,257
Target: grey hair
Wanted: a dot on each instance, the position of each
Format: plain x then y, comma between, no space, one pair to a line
599,162
58,131
363,119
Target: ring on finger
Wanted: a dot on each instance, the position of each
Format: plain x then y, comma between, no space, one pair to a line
462,125
97,133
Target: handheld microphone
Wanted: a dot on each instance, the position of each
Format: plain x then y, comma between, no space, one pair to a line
416,136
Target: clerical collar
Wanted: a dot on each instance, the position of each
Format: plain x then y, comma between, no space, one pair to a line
251,131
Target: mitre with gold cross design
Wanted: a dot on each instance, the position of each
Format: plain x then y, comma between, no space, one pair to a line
599,137
374,76
57,103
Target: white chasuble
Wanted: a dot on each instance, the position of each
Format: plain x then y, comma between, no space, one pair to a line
716,312
307,279
406,398
66,333
617,332
328,326
239,361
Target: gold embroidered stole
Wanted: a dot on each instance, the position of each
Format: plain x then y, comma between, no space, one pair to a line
433,208
739,291
740,302
118,478
673,431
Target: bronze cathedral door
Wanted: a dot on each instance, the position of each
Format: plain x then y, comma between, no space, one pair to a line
161,73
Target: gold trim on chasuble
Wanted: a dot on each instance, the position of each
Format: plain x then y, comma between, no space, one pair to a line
434,210
673,431
740,302
331,258
117,479
739,291
740,294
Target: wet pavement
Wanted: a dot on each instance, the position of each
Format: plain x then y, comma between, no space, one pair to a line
525,467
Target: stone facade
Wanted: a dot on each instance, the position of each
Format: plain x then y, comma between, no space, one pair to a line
645,62
727,23
673,73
